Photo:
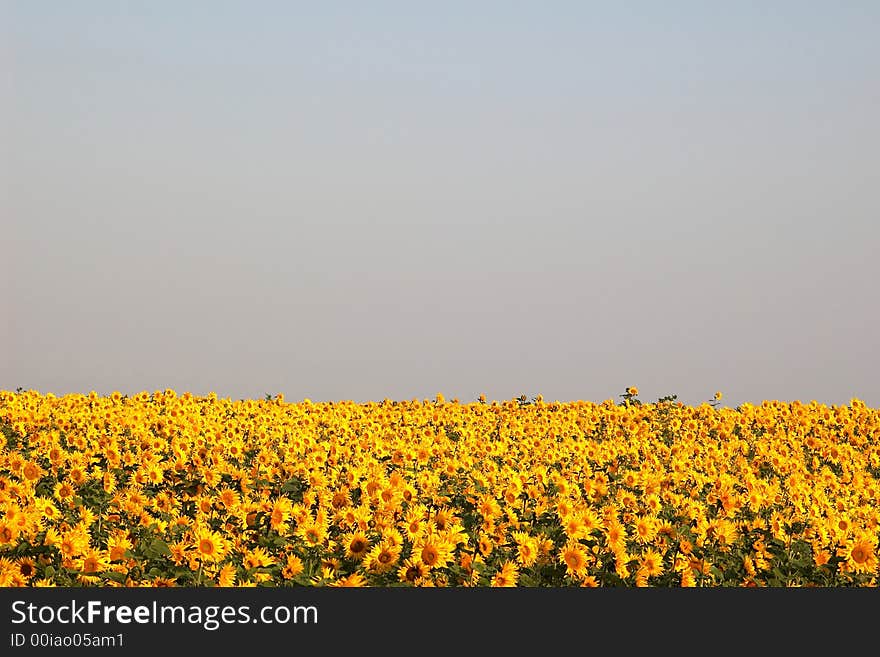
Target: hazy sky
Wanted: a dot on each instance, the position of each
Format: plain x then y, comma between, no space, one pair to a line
393,199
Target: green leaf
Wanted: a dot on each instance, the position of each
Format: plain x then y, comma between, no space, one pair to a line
159,548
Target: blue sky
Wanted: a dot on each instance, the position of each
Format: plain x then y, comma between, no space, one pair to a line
360,202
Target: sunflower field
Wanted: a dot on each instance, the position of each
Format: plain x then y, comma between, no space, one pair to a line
162,489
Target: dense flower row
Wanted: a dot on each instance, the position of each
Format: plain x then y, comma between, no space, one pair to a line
161,489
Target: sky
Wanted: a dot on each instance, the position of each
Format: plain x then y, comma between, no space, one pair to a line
387,200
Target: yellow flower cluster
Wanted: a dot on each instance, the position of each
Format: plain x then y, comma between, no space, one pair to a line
161,489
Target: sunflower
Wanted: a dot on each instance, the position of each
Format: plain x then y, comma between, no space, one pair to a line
46,510
8,533
488,507
77,476
92,562
209,545
226,576
383,557
723,532
179,551
590,520
507,575
821,557
355,580
74,542
164,583
117,545
621,559
860,554
229,498
442,518
10,575
391,535
574,558
280,514
31,471
293,567
204,504
645,529
356,545
432,552
27,568
412,571
615,534
589,581
155,474
414,524
574,527
258,557
314,533
651,563
564,508
527,549
64,492
687,578
340,499
52,536
108,481
667,529
87,517
331,566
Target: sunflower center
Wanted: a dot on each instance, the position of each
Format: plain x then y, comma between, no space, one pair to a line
859,554
429,555
206,546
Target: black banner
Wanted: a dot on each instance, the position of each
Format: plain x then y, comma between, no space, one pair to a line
140,620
